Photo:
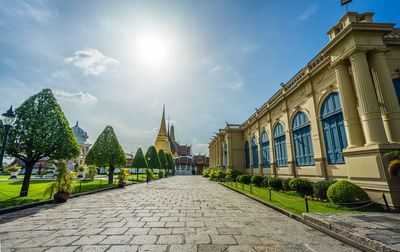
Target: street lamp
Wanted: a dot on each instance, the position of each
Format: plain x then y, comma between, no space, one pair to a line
147,174
8,121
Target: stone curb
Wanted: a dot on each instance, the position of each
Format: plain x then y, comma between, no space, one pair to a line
324,228
373,244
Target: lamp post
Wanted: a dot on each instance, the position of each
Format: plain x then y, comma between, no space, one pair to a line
147,173
8,121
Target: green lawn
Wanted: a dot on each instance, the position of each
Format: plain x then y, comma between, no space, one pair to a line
294,204
18,176
9,190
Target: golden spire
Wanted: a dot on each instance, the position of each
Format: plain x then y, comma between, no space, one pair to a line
162,138
162,131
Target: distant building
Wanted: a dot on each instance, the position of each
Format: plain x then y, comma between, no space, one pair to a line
81,137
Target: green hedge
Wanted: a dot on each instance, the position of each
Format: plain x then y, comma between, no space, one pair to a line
345,191
245,179
257,180
232,174
275,183
302,186
320,189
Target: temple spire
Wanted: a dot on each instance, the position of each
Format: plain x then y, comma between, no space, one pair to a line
162,138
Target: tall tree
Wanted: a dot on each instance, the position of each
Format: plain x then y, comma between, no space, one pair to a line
107,151
163,159
171,164
152,158
139,161
41,130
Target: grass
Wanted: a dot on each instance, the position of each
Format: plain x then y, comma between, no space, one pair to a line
9,190
296,204
18,176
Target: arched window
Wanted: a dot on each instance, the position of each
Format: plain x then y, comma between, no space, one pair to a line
265,150
302,140
280,146
396,83
226,156
254,150
333,127
247,154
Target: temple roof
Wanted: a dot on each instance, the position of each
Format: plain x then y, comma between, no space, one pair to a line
80,135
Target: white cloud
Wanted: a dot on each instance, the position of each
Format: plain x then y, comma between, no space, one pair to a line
74,97
92,61
308,12
39,10
217,68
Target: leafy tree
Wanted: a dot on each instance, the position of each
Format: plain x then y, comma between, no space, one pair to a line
139,161
170,163
107,151
163,160
153,162
41,130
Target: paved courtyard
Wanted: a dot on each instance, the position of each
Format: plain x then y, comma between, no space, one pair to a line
182,213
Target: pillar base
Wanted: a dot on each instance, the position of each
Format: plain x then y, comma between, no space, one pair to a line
367,167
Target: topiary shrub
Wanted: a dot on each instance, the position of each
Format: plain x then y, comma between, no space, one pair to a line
160,174
302,186
245,179
345,191
320,189
232,174
257,180
275,183
285,184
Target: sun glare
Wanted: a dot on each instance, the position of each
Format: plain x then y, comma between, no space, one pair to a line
154,50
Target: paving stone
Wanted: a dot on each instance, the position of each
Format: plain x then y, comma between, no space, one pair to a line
211,247
62,249
160,231
170,239
137,231
90,239
241,248
155,224
183,248
223,239
117,239
123,248
153,248
61,241
93,248
175,224
114,231
197,239
144,239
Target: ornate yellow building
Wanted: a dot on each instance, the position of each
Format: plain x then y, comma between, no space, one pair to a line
162,141
335,119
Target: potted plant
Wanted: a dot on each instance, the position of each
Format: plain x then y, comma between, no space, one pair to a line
394,162
91,171
80,170
160,173
123,174
13,170
63,183
166,173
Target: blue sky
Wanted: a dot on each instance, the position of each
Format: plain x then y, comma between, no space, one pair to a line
117,62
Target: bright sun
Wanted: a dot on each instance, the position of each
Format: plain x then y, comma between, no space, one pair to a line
154,50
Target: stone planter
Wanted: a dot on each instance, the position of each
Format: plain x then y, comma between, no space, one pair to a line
61,197
14,175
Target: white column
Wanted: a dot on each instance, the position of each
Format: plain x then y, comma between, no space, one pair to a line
355,137
374,131
387,96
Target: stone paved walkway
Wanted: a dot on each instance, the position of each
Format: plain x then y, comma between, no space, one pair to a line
182,213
